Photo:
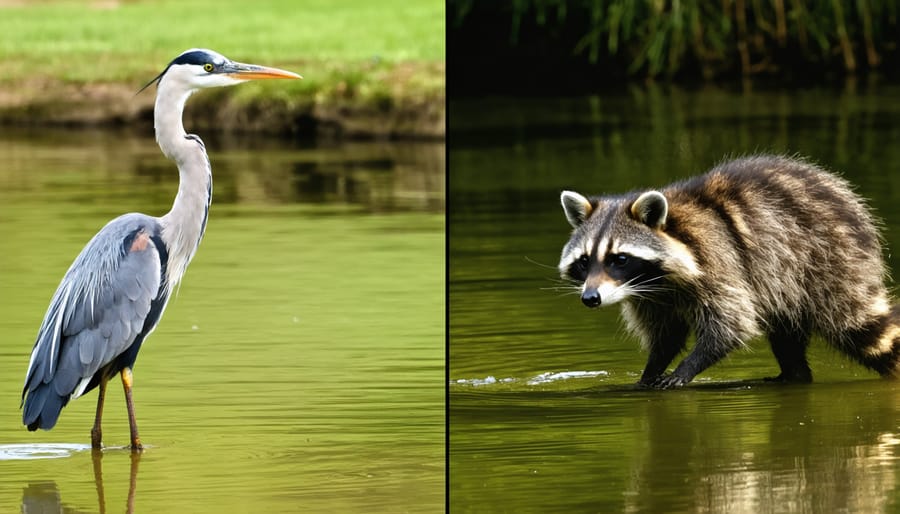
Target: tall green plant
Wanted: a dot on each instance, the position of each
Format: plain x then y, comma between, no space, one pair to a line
662,37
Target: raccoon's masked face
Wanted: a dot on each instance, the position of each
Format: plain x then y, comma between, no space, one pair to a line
616,251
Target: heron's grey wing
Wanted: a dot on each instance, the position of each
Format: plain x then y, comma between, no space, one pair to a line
99,309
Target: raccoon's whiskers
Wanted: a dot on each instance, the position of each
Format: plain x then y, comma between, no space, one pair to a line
532,261
567,286
645,288
569,293
562,288
650,287
566,282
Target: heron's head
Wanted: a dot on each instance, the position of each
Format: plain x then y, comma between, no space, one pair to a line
200,68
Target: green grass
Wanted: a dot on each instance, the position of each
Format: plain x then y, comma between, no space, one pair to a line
350,52
83,42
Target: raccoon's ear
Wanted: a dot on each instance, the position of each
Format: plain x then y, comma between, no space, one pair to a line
651,209
576,207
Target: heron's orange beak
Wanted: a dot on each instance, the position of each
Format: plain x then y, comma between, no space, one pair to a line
242,71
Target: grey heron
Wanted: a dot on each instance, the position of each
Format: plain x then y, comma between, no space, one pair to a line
116,290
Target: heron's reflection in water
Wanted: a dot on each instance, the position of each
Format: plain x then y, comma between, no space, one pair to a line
44,497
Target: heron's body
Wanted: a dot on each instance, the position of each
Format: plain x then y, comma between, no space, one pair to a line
116,290
82,343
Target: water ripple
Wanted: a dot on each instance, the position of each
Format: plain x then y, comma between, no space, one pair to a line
40,451
543,378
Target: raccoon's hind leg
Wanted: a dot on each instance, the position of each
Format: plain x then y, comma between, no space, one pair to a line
789,344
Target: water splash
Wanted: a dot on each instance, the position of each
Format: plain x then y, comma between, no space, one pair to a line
543,378
488,380
40,451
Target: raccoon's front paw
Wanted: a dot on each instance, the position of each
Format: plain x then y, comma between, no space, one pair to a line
668,382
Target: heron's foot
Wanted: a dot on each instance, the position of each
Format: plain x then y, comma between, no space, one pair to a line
136,445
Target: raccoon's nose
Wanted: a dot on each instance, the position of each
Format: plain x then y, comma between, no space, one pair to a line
590,298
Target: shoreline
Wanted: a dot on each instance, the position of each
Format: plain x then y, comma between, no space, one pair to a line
409,104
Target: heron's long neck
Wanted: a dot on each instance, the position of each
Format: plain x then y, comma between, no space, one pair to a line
183,226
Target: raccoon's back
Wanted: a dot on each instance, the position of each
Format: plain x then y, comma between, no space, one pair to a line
795,236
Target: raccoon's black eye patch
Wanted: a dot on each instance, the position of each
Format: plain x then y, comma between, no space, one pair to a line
617,259
579,269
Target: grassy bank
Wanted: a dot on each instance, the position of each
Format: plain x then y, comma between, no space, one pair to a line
369,68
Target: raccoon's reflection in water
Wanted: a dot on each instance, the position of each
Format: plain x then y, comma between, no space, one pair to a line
723,447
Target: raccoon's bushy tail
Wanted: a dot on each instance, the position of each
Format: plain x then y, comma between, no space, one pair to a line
877,344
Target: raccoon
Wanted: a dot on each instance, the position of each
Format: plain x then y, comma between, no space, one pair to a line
761,245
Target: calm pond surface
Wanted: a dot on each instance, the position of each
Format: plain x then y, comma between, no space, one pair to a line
300,368
543,413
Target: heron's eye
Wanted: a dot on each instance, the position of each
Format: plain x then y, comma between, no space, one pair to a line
208,67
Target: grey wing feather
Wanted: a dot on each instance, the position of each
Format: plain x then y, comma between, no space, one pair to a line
99,308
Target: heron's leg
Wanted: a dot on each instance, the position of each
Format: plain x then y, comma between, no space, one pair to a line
132,482
97,458
96,433
127,381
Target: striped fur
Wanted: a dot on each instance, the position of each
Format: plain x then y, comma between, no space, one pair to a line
762,245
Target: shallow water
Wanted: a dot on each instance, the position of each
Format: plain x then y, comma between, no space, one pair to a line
544,416
299,368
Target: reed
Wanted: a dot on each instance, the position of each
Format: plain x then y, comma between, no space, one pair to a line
739,37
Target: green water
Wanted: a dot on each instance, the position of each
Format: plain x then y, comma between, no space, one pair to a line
543,413
300,367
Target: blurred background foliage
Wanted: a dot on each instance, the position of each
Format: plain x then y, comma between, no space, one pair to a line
595,41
